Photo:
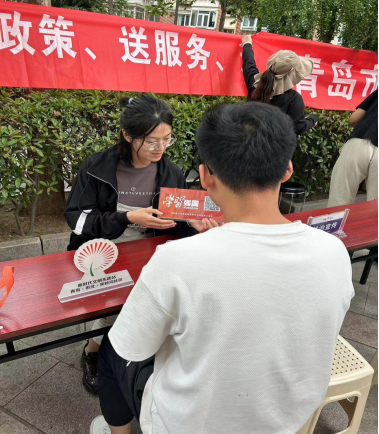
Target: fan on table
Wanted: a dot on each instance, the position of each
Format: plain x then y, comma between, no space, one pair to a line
95,256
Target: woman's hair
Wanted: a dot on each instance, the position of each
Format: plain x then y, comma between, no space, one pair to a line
265,88
141,116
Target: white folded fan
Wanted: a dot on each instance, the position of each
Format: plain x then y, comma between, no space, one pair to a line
93,258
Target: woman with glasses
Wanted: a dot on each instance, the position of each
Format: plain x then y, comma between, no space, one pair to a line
116,193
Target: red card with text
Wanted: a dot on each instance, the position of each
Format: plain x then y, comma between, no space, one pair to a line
180,204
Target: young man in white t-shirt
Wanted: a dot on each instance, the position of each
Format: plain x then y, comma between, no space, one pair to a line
231,331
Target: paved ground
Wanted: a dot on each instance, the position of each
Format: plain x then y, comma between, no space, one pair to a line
44,394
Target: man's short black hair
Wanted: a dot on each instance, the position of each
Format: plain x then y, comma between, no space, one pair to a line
247,146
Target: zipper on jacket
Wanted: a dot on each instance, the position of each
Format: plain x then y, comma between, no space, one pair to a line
102,180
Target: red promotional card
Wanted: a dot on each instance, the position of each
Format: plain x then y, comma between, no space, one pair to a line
180,204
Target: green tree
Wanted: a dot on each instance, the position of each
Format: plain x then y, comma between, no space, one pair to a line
287,17
167,7
34,2
355,21
327,19
237,9
111,7
359,24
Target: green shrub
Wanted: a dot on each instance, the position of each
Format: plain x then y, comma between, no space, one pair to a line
318,150
31,143
52,132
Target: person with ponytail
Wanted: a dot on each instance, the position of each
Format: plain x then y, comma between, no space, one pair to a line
116,192
285,69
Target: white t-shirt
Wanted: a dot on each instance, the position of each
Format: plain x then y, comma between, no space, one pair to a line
243,320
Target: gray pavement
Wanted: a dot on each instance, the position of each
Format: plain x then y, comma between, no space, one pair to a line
44,393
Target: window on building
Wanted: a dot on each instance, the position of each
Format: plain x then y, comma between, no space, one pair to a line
194,18
204,19
184,19
228,31
155,18
140,13
212,20
249,23
136,12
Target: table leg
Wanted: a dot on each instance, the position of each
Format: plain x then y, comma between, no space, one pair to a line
366,271
10,347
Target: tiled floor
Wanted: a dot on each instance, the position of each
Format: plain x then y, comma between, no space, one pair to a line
44,394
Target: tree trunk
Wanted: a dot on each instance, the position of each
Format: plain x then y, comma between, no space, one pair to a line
110,7
223,15
328,34
176,12
53,203
33,215
18,219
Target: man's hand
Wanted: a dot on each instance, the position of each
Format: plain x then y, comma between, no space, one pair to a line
203,225
143,217
247,38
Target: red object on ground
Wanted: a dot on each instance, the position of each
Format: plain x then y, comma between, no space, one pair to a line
34,306
361,225
8,281
60,48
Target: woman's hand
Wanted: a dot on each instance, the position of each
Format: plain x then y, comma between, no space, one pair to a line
144,218
247,38
203,225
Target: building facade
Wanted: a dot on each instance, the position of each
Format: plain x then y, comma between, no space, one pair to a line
202,14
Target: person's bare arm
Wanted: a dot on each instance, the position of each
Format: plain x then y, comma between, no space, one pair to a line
356,117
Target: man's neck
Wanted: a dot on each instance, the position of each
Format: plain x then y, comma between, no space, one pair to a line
256,208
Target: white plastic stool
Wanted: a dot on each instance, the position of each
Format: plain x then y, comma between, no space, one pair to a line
349,385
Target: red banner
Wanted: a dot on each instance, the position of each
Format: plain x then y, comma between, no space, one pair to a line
43,47
341,79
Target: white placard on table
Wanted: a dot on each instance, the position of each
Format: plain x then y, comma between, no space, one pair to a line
93,258
332,223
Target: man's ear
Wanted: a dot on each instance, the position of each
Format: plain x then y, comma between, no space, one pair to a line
289,172
203,172
206,179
